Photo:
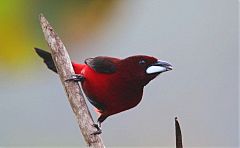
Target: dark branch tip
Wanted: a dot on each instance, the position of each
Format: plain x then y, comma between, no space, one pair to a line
40,15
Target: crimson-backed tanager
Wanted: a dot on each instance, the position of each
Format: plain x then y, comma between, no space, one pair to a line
113,85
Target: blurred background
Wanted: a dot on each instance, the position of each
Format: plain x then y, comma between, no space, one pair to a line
199,37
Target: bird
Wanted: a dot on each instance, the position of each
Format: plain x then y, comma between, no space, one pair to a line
112,85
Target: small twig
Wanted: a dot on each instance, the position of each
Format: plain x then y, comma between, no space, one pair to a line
73,91
178,134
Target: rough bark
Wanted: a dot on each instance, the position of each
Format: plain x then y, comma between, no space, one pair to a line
73,90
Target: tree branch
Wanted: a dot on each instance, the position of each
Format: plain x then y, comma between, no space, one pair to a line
178,134
73,90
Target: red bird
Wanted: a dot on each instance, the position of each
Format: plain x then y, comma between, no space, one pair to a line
113,85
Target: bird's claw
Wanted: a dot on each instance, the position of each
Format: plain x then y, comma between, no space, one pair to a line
76,78
99,131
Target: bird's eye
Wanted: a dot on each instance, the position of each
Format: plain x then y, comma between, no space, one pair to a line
142,62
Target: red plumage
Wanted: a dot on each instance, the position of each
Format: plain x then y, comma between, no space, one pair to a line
114,85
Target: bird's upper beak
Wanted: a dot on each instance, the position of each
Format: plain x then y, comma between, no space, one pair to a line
159,67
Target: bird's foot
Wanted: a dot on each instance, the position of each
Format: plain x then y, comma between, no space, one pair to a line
76,78
99,130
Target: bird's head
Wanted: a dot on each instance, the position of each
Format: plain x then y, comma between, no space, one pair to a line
144,68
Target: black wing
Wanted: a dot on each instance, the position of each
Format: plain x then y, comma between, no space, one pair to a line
47,58
102,64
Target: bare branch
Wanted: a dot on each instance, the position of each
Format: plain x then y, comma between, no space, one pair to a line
73,91
178,134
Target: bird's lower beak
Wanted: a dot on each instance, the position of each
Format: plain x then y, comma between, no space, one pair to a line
159,67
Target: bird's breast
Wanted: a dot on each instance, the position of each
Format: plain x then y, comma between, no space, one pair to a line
110,91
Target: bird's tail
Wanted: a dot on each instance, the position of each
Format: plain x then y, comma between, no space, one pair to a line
47,58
